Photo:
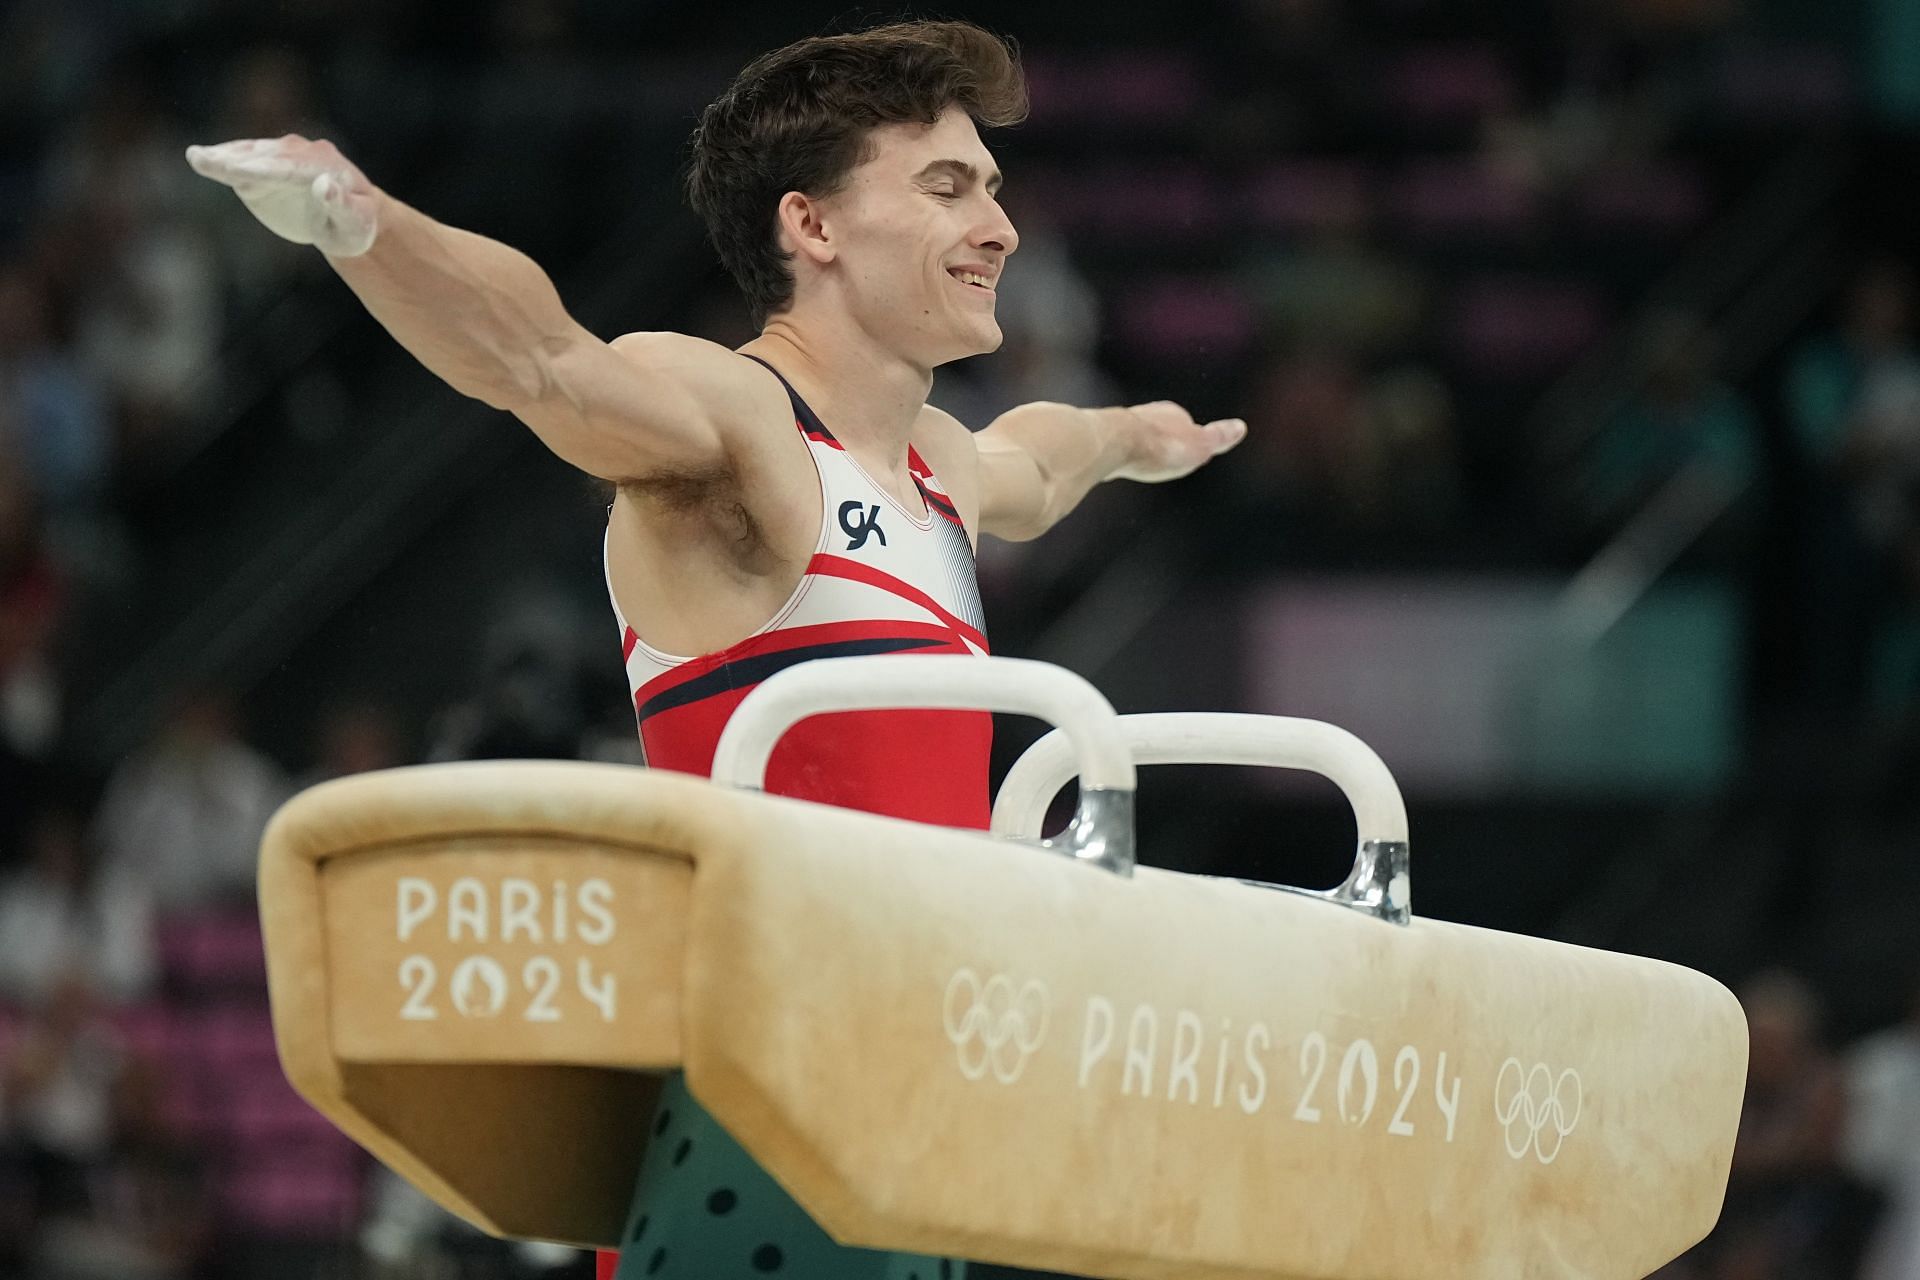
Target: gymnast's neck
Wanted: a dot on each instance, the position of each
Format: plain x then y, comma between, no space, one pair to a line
868,396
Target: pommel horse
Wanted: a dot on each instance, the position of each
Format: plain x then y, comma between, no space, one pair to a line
480,971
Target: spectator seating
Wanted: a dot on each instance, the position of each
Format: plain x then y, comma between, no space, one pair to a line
281,1170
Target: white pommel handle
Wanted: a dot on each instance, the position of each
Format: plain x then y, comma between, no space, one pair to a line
1202,737
954,682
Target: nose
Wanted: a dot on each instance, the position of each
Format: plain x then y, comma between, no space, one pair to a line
996,232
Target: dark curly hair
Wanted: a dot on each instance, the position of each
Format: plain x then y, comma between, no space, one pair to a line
798,119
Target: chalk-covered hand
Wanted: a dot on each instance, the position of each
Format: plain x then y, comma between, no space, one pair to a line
302,190
1165,443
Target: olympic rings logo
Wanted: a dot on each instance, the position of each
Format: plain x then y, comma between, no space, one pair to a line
1541,1110
994,1026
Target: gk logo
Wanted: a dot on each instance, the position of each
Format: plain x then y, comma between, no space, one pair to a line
860,525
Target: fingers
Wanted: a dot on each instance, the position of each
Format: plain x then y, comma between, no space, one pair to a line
1176,431
290,158
222,154
1220,435
204,161
235,162
1225,433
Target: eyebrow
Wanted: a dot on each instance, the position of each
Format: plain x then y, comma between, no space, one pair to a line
960,170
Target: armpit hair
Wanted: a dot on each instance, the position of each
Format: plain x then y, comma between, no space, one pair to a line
710,494
683,489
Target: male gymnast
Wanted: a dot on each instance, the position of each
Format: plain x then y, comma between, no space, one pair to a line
795,499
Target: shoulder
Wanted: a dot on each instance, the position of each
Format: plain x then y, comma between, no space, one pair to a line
948,447
941,437
736,390
649,345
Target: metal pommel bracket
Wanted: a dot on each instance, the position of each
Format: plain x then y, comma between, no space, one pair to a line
1101,832
1380,884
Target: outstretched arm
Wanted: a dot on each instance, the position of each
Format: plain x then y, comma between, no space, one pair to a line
1038,461
485,318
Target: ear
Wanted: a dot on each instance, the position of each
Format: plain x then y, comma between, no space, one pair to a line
803,228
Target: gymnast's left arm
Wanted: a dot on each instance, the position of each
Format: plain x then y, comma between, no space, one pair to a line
1038,461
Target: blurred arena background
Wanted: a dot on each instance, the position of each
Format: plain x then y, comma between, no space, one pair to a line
1577,342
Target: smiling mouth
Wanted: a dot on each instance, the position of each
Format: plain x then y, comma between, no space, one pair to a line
973,280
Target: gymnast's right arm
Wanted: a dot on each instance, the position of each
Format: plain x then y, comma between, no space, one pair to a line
487,320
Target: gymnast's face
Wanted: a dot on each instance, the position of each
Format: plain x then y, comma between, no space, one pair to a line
916,242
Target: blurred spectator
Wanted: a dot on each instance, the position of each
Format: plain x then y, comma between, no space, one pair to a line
147,1208
1333,453
1792,1211
1895,1250
54,416
1340,290
354,738
58,919
137,270
56,1091
1302,418
1883,1101
1407,459
1854,406
31,597
406,1236
1298,69
530,702
184,814
268,92
50,53
1883,1137
113,1194
1686,417
402,1228
1795,1103
1584,131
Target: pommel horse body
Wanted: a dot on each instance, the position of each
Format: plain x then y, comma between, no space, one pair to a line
1029,1052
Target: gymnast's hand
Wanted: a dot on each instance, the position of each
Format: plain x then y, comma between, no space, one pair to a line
1165,442
302,190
